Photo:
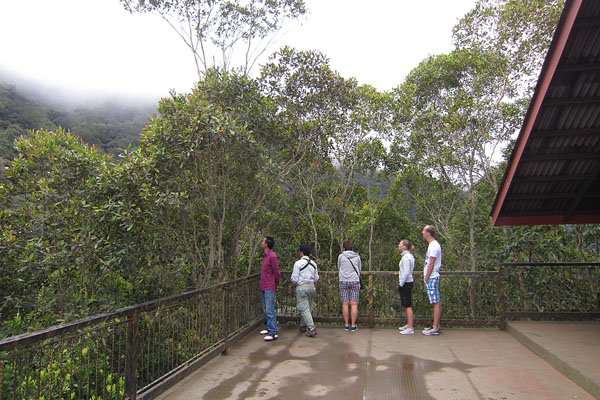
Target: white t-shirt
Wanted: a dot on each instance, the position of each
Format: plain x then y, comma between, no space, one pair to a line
433,250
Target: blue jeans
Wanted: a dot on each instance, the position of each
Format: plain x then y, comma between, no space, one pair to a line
268,302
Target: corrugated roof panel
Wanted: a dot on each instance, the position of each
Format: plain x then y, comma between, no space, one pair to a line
554,171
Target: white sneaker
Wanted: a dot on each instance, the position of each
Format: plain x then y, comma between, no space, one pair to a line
269,338
432,332
407,331
264,332
403,328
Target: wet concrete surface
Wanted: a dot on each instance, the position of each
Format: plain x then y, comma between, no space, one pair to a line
378,363
573,348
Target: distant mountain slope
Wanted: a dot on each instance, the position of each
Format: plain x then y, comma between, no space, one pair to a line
111,127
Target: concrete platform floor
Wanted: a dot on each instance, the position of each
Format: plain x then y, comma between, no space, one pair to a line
572,348
380,363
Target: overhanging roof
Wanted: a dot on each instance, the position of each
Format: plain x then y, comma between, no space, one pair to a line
553,175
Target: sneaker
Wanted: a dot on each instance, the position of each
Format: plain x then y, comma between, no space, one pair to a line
264,332
353,328
269,338
302,329
428,329
346,327
403,328
407,331
311,332
431,332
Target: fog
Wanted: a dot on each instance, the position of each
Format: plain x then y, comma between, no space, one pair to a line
69,99
75,51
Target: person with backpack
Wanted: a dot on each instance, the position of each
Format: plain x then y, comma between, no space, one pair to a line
305,277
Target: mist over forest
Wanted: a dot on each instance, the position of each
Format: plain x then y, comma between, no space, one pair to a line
109,122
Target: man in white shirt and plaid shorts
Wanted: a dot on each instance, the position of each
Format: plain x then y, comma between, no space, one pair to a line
431,274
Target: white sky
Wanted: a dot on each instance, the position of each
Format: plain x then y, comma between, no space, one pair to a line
95,47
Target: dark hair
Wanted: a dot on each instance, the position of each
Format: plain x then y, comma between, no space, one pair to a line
305,249
431,230
408,245
348,245
270,242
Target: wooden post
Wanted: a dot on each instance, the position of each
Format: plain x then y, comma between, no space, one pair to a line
370,306
132,356
501,297
225,302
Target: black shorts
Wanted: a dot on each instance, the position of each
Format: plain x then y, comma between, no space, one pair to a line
406,294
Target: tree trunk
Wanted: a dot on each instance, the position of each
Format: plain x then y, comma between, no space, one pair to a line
473,256
371,229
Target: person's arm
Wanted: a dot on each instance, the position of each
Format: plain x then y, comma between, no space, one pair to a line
276,272
295,273
404,272
295,276
429,268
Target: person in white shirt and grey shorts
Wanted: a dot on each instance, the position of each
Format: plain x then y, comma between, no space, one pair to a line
305,277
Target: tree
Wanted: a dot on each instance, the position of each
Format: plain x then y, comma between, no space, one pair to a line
53,247
516,32
459,110
218,156
455,121
371,154
222,25
344,113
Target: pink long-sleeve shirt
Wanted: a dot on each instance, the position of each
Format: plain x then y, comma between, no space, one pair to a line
269,273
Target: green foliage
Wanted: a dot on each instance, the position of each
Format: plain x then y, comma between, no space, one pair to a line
73,369
111,127
517,32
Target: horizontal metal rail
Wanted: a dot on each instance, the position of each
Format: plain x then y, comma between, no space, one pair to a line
379,302
133,352
549,291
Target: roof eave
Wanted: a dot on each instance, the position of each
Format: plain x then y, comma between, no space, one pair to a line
561,35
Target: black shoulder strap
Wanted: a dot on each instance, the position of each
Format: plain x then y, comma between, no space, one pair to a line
307,264
351,263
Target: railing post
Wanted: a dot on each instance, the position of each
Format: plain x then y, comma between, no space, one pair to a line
501,298
132,356
225,301
370,306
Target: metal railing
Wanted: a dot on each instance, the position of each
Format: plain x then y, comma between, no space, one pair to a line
134,352
141,351
554,291
379,302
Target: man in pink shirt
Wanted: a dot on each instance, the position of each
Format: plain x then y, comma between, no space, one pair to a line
269,280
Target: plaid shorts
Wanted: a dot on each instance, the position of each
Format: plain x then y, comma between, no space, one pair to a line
433,290
349,290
